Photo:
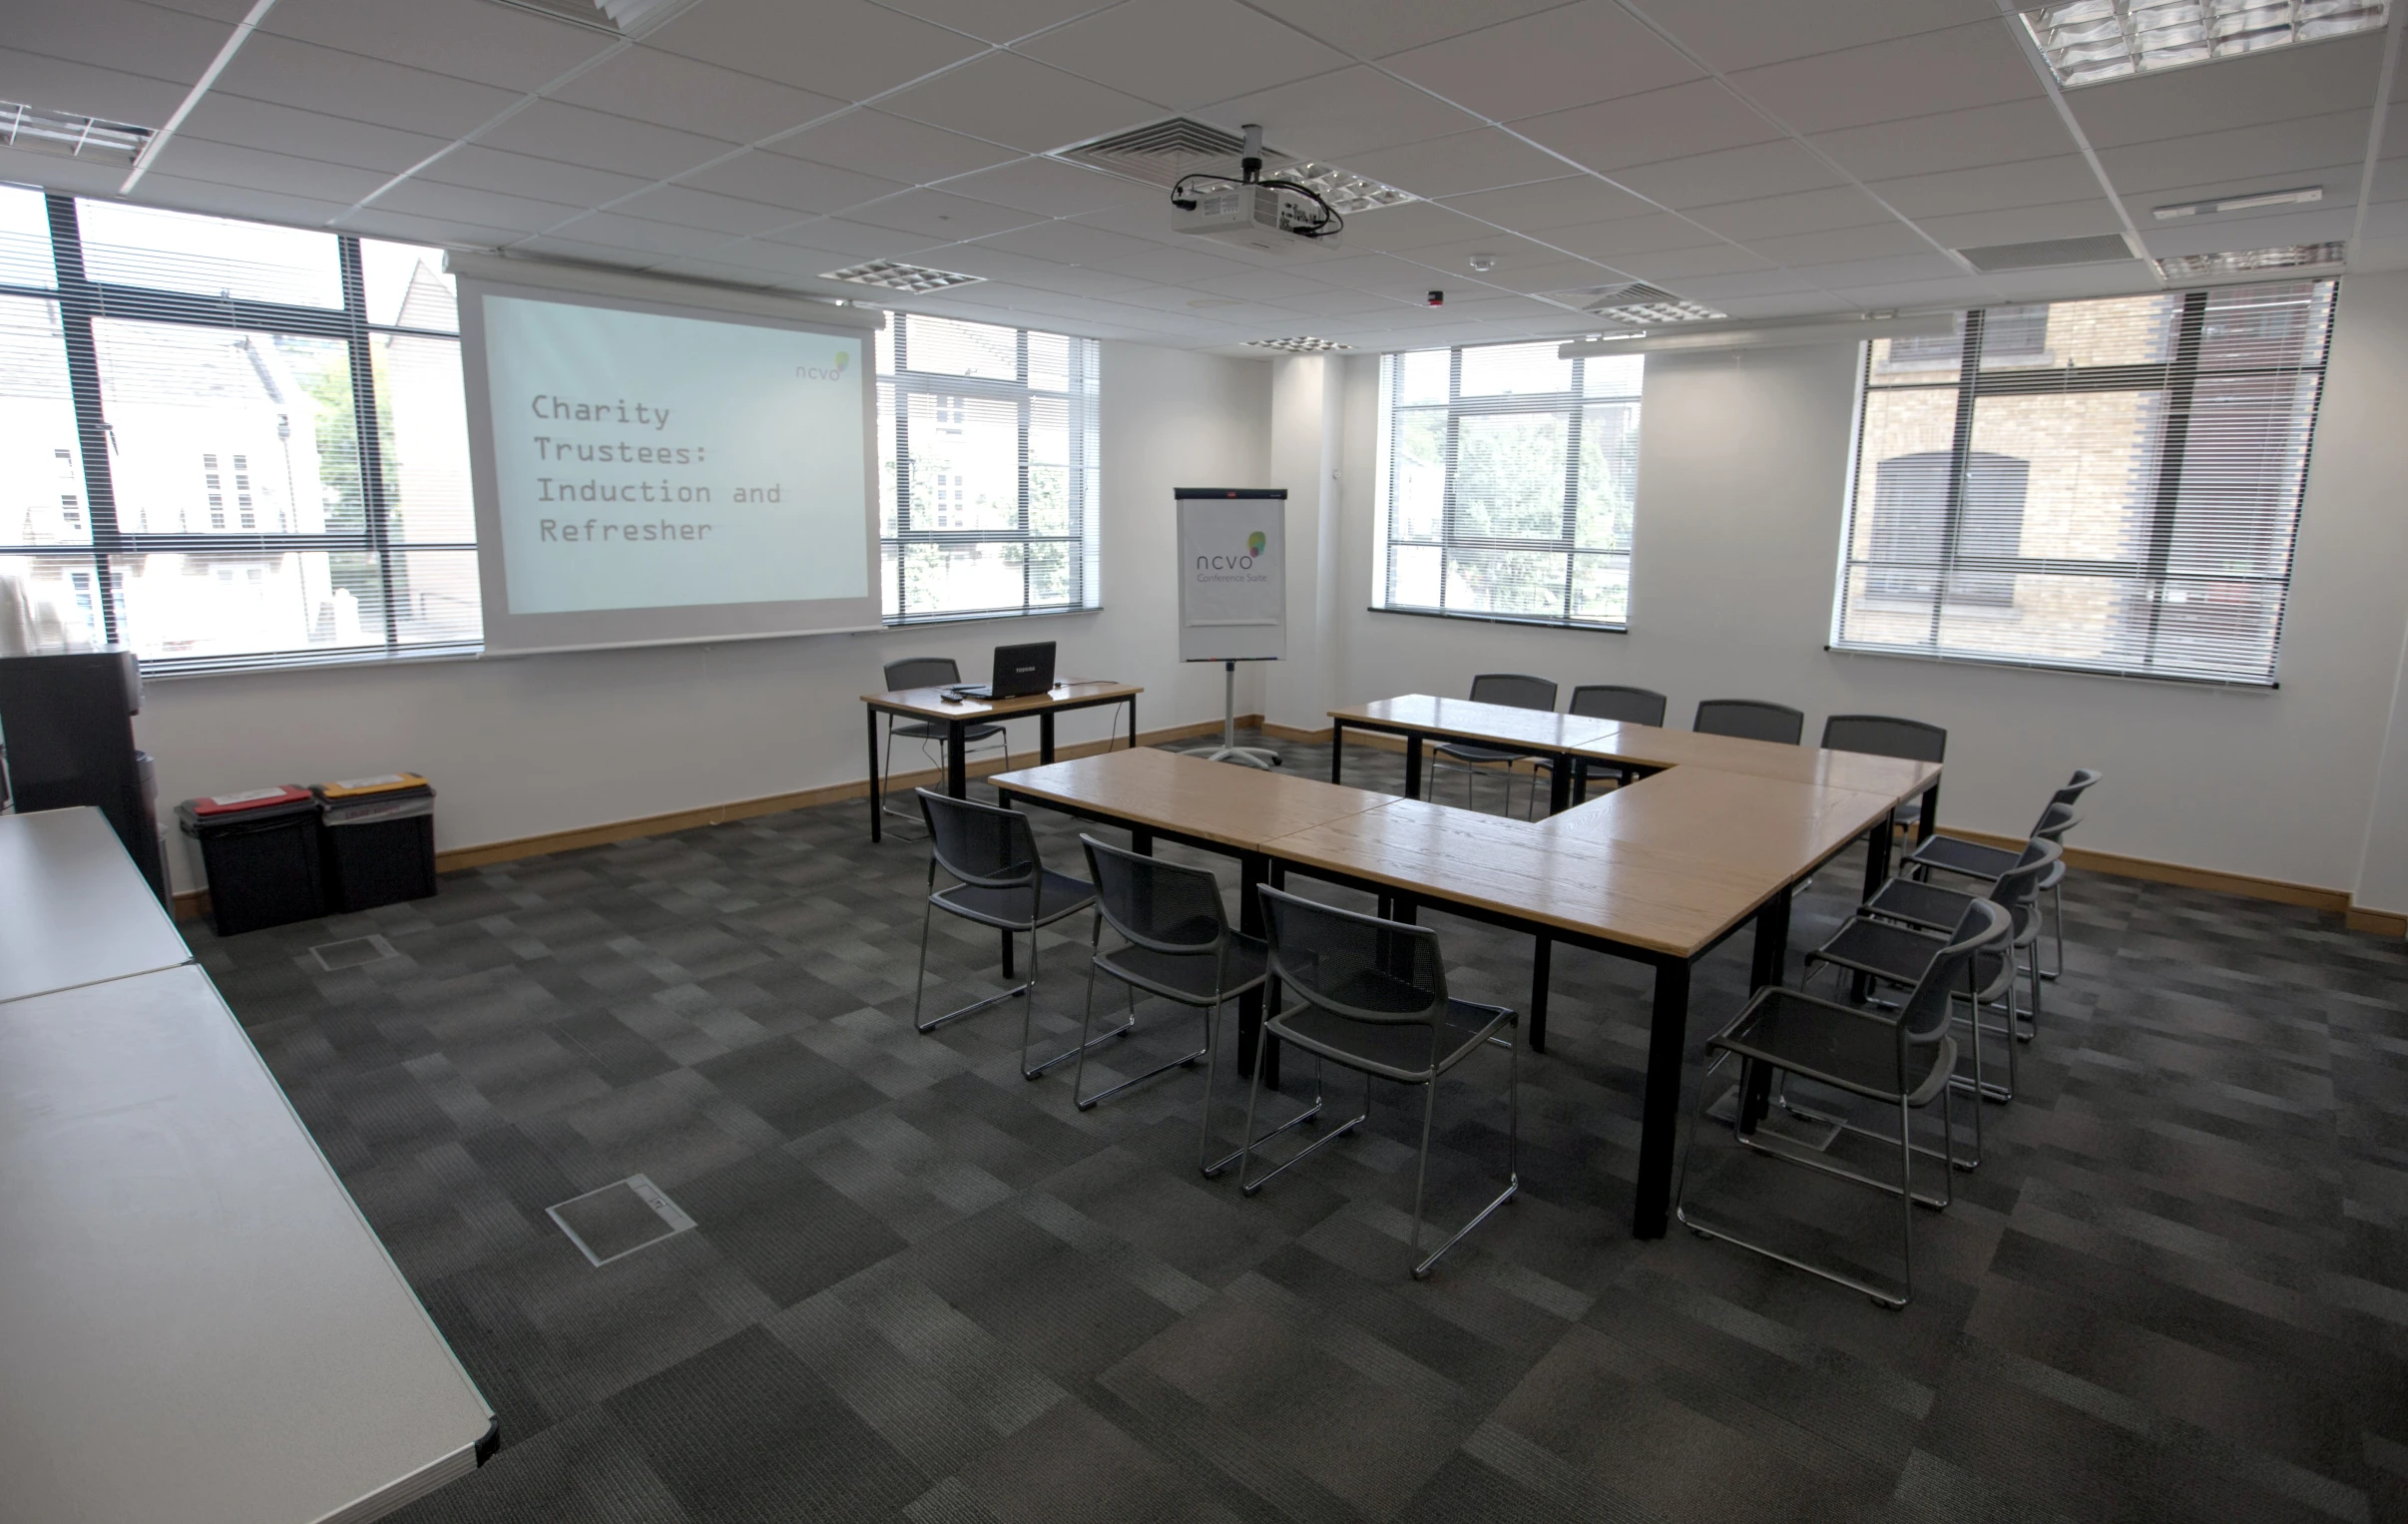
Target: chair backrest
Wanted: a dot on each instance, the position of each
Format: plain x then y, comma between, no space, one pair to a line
1155,904
1923,1018
2056,820
1611,701
1751,719
2018,889
1885,736
1355,965
978,844
2075,785
922,671
1515,689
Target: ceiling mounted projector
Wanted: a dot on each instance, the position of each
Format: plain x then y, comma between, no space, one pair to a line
1276,216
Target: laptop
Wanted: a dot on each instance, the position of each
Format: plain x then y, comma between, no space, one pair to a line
1019,672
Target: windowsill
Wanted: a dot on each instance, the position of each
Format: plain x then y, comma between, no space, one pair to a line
2062,669
1508,619
185,670
922,621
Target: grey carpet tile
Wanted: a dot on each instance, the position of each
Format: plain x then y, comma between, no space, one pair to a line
923,1288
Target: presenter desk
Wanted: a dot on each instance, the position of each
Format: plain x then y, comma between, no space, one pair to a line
74,909
957,715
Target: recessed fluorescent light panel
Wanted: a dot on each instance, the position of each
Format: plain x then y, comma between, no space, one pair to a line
897,276
1636,304
70,135
2249,260
2087,42
2249,203
616,18
1348,193
1302,343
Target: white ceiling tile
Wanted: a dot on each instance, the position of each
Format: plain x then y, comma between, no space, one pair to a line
715,272
785,262
2278,153
1735,174
692,208
1000,265
1174,266
1279,286
1768,217
173,190
1552,61
492,168
463,203
73,177
1877,242
2273,86
2027,183
2116,278
1330,301
1741,34
1716,290
673,91
844,48
1464,162
477,40
1334,115
940,215
1687,263
54,84
1074,279
574,135
336,140
1375,28
1949,139
2025,225
586,251
2386,220
1147,218
1184,53
638,235
1977,65
1065,242
997,20
1007,98
1642,129
1414,224
229,165
855,240
2391,179
1611,241
409,227
227,11
1050,188
1925,295
1884,270
318,79
119,33
893,148
1572,202
1811,304
801,186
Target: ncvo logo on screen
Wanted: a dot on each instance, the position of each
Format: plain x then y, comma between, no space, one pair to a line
835,373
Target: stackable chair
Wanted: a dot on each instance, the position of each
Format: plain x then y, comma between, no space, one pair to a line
1371,997
1176,943
1978,859
999,882
1897,932
928,672
1888,735
1904,1058
1750,718
1608,701
1514,690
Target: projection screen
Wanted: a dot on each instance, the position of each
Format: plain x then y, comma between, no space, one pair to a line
658,463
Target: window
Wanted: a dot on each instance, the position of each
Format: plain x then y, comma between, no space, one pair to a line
1507,477
988,471
230,444
2106,486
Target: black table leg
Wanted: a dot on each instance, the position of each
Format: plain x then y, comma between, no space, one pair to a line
1659,1126
877,812
957,758
1558,785
1412,766
1140,840
1133,722
1252,868
1542,960
1931,813
1338,750
1876,874
1770,966
1045,738
1580,780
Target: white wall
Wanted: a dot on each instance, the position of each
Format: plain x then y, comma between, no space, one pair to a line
523,746
1741,492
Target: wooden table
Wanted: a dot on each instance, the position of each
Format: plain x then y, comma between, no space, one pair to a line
1717,837
957,715
1419,717
76,909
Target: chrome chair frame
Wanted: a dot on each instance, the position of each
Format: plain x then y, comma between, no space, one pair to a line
1471,758
898,675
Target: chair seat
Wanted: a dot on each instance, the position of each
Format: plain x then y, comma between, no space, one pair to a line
1191,976
1837,1045
1058,896
1466,753
1396,1051
1900,954
1955,854
1919,904
931,729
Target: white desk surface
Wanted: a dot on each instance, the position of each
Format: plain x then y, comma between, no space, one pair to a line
195,1323
72,907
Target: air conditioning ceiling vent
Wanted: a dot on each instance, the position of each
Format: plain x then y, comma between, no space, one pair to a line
2042,253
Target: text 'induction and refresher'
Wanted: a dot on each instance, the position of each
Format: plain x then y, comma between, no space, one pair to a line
605,441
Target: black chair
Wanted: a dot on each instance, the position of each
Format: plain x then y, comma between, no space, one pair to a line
1180,946
1611,701
1888,735
1371,997
1751,719
927,672
1905,1059
992,855
1514,690
1978,859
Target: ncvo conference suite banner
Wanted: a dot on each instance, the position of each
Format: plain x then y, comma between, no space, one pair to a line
650,461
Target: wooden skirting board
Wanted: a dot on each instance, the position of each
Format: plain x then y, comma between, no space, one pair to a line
194,902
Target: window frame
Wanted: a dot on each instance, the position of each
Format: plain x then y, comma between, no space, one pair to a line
2178,377
1571,404
81,303
1082,403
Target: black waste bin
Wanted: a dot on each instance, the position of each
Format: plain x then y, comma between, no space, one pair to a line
262,854
380,840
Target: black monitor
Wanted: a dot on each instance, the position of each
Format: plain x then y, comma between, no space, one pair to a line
1021,672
